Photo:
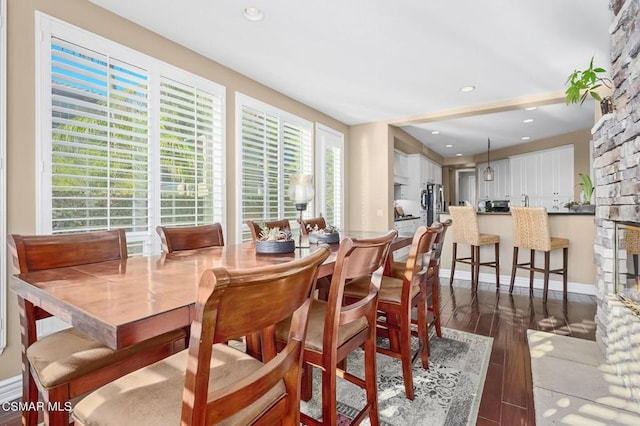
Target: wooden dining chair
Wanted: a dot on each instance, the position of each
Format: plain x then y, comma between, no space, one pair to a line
306,223
397,298
68,363
212,382
176,238
256,228
433,280
336,330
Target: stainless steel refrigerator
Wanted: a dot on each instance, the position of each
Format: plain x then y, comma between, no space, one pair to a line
432,201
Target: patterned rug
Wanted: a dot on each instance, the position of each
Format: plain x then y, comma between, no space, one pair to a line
448,393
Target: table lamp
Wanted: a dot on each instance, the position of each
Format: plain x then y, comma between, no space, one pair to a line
301,193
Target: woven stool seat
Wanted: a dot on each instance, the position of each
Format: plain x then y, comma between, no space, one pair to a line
531,231
467,231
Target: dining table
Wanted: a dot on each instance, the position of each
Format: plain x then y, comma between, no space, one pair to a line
124,302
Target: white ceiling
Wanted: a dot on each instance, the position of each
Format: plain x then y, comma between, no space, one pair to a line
362,61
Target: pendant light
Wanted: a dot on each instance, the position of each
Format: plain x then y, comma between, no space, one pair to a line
488,172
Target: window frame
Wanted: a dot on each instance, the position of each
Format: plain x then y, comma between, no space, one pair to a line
337,141
48,27
243,100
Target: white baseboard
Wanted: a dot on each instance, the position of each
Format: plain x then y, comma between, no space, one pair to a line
572,287
11,389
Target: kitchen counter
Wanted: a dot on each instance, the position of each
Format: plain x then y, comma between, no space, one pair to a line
403,218
579,228
564,213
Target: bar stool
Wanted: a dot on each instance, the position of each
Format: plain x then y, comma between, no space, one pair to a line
467,231
531,231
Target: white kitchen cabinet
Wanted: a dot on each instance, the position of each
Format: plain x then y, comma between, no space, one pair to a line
400,167
525,177
546,177
404,227
500,187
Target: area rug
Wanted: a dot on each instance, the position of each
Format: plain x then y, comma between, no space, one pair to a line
448,393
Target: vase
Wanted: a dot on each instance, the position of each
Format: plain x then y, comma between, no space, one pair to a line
270,247
606,105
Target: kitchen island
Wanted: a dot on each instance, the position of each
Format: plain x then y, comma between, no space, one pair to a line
578,227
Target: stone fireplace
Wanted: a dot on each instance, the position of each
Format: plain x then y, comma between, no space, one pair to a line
616,148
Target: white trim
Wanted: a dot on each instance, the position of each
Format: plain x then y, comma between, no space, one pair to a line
241,101
11,389
337,141
538,283
3,175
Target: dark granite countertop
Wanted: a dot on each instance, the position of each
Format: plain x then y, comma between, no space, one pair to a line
566,213
402,218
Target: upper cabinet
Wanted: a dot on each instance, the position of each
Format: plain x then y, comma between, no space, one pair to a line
545,177
423,171
499,188
400,168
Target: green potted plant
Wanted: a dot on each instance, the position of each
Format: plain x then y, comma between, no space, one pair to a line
585,83
585,205
275,240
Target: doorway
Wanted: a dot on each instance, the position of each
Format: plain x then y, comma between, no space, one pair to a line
465,187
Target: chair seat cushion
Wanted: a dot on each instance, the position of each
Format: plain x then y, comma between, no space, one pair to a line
488,239
68,354
558,243
390,290
153,395
315,328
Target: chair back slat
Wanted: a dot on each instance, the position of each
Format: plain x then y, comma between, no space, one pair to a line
37,252
190,237
316,221
256,228
355,259
438,243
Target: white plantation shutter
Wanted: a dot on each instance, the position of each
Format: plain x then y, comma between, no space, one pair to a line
99,142
274,146
330,182
127,141
191,162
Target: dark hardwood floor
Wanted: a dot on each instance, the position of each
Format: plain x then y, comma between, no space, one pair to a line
507,398
508,392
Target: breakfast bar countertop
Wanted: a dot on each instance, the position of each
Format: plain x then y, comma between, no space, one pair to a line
564,213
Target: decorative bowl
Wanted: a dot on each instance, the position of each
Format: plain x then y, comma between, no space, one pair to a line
317,238
283,246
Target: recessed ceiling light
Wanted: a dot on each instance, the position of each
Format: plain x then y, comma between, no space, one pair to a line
253,14
528,120
435,132
525,138
467,89
458,155
530,108
449,146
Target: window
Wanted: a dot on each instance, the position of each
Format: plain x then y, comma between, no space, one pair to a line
273,146
330,181
127,141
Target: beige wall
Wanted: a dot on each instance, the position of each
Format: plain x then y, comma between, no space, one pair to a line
21,215
370,178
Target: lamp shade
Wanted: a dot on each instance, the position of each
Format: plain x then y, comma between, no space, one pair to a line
301,188
488,172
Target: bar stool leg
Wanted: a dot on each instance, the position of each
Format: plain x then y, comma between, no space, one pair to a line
531,271
453,262
477,279
565,261
497,254
514,267
473,268
547,255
